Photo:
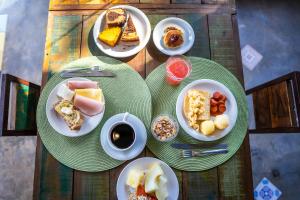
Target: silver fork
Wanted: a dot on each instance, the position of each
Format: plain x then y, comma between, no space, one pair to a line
190,153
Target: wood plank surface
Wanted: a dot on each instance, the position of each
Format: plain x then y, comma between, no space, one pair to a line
159,5
62,46
262,112
156,1
62,42
53,180
280,108
91,185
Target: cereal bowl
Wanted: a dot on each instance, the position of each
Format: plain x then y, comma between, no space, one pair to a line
164,128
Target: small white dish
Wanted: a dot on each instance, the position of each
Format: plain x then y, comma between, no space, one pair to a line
143,28
144,164
59,125
211,86
138,145
188,36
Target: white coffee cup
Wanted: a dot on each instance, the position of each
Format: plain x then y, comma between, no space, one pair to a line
123,121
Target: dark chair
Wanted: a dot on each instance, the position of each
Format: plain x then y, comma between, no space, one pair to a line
11,101
277,105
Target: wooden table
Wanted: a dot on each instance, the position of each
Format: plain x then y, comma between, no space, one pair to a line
69,37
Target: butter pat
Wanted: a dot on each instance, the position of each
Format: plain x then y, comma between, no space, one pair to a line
66,110
65,93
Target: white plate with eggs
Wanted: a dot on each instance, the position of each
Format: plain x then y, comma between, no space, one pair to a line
210,86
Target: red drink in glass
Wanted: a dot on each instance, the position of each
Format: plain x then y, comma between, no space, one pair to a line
177,69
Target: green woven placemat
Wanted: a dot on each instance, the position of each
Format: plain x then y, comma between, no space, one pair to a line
127,92
164,99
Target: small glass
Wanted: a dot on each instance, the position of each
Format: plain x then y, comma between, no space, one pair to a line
158,133
177,69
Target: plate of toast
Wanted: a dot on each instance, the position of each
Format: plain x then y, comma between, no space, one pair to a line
122,31
75,107
206,110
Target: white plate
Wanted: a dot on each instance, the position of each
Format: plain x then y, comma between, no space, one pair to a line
143,28
143,164
60,125
188,35
211,86
140,140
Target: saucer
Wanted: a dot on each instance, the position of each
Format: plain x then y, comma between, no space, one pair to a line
188,35
136,149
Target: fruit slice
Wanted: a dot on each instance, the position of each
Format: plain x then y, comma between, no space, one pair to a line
162,192
151,180
134,178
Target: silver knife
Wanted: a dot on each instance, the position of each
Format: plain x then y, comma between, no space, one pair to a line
199,146
102,73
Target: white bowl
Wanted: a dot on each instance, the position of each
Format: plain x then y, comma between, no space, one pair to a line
59,125
144,164
188,36
142,26
210,86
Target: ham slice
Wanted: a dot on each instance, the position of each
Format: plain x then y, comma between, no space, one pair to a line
82,84
88,106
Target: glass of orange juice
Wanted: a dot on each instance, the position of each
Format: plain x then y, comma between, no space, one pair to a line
177,69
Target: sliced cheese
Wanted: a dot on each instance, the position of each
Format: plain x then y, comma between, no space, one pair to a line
95,94
162,191
65,93
151,179
134,178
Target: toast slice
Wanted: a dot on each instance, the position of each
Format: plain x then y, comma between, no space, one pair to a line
129,36
69,113
115,17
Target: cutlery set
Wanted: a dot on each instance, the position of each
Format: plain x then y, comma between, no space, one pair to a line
199,150
94,71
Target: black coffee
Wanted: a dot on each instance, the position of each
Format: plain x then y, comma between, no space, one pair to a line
122,136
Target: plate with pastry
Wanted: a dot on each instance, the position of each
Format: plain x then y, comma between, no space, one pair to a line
206,110
147,178
122,31
75,106
173,36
